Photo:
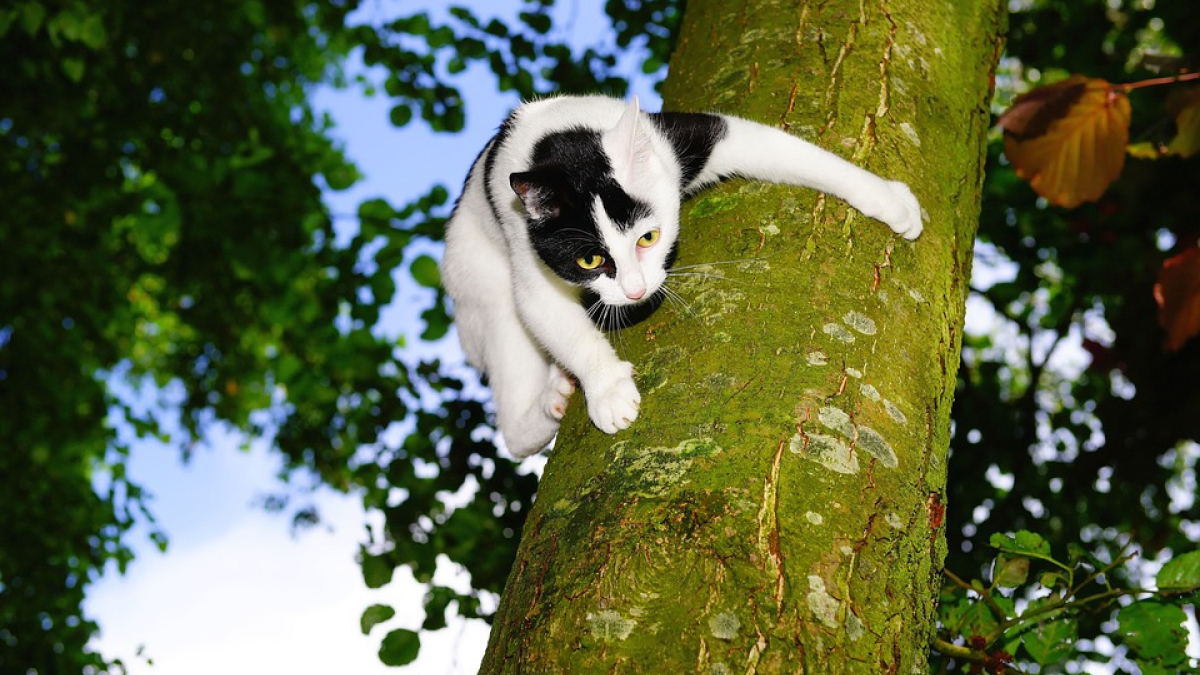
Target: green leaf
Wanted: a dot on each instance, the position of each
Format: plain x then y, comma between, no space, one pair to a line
437,322
400,647
1181,573
1022,542
1053,579
1025,543
73,68
377,212
1154,631
377,570
341,177
7,17
1051,640
436,601
400,115
1009,571
425,270
375,615
539,22
32,15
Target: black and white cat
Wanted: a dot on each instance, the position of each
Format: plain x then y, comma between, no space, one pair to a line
579,197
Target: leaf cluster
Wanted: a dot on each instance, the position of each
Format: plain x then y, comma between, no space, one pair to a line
1020,621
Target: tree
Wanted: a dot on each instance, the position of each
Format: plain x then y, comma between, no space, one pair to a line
778,504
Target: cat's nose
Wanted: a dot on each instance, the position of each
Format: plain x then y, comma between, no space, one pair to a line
636,294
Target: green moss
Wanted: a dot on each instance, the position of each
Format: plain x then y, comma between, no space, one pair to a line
707,206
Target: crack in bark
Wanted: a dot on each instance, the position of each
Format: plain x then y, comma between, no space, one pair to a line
768,527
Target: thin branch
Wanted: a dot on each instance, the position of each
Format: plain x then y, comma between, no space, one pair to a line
1129,86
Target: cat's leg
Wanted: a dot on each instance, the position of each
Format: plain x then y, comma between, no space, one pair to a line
530,393
766,153
552,313
730,146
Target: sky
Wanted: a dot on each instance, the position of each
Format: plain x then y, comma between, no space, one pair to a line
237,592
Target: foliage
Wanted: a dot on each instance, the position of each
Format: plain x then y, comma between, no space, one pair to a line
162,171
142,141
1015,623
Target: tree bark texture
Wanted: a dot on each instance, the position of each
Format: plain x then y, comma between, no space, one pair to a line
777,506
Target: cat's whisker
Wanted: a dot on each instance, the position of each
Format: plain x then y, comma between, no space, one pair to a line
720,262
673,296
703,275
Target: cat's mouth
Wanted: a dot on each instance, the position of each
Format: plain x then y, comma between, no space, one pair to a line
614,317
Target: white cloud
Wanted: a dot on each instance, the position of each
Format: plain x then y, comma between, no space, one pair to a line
250,598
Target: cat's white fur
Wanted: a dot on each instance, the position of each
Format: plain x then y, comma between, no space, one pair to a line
524,326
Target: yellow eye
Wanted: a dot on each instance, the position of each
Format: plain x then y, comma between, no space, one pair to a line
590,262
649,239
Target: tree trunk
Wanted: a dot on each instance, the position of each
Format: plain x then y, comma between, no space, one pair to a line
777,506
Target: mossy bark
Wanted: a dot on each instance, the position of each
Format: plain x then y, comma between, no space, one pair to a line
777,506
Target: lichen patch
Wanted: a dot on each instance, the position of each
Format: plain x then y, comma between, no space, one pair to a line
894,520
854,627
838,332
895,412
869,392
609,626
860,322
828,451
814,517
823,605
855,373
817,358
872,443
724,626
655,471
836,419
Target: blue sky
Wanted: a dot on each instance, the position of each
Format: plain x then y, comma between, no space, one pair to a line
236,592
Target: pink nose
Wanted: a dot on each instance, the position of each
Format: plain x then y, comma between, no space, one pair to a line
635,295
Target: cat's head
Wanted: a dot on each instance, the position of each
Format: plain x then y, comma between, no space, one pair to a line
604,209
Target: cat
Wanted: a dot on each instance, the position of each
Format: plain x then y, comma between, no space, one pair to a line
573,209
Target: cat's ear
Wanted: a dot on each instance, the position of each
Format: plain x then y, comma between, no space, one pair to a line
539,192
629,144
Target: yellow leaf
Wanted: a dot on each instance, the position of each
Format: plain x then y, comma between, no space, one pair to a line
1068,142
1187,124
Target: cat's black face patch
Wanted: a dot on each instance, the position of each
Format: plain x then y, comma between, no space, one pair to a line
580,155
570,170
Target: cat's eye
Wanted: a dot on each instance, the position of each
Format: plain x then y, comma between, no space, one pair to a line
649,239
590,262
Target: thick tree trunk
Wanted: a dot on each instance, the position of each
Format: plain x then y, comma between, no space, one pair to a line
777,506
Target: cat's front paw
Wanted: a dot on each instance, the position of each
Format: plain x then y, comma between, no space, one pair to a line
898,208
613,403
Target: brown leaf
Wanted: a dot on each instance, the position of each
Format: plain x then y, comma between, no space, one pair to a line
1178,296
1068,139
1032,112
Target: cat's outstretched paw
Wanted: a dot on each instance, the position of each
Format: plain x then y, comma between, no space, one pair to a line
558,392
613,404
904,215
894,204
